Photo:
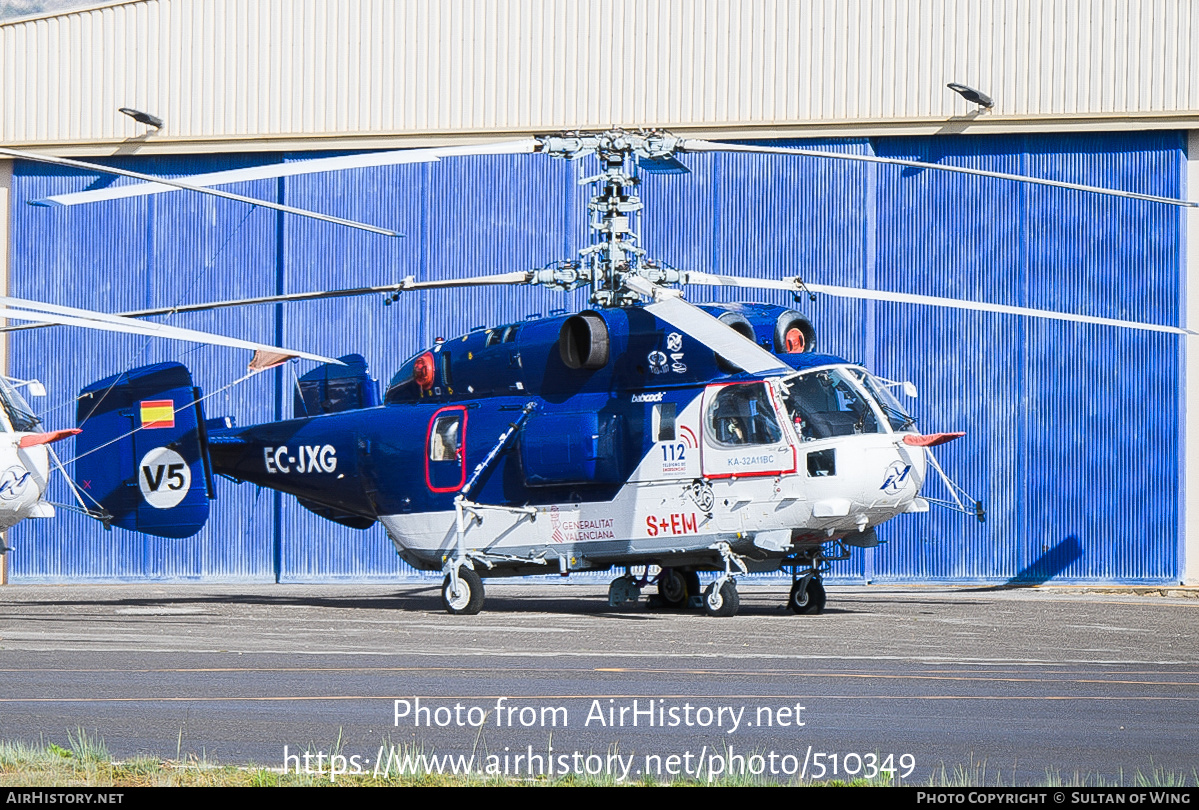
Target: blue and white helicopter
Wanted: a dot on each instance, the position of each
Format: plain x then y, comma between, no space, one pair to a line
645,431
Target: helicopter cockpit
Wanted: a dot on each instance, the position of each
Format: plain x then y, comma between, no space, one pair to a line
842,401
743,414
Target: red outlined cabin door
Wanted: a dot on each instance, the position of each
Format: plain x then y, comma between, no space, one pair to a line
743,433
445,450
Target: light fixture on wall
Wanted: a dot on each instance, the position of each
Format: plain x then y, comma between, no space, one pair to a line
970,94
143,117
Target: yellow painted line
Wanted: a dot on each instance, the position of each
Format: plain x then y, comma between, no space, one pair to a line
885,677
1041,678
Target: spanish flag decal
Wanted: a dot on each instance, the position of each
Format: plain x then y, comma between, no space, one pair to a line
158,413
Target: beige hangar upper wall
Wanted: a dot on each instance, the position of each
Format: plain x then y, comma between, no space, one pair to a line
279,73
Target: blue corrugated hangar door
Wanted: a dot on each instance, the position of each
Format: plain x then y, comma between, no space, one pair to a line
1073,430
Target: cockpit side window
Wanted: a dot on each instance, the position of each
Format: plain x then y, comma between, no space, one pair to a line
825,403
743,414
17,411
894,412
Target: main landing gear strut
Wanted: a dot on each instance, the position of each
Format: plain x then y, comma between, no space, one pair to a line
807,589
721,597
680,588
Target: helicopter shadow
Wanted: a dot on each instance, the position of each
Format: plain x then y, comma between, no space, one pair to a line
410,599
1050,564
421,598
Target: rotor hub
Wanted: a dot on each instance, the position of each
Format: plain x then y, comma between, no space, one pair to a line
613,254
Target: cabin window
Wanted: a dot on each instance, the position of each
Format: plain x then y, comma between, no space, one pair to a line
664,422
445,457
743,414
445,440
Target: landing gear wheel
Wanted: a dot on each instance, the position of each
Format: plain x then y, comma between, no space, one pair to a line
812,600
723,602
469,599
676,587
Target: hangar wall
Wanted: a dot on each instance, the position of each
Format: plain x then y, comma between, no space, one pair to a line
235,75
1189,392
1074,439
5,220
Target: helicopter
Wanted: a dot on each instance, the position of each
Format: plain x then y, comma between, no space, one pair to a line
643,431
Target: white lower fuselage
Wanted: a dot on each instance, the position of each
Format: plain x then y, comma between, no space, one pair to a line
689,492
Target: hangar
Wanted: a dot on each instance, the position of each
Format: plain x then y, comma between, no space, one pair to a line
1082,440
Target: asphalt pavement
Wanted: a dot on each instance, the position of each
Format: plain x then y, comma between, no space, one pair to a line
1016,686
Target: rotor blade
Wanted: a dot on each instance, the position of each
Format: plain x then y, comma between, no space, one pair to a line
22,310
298,167
717,336
178,184
796,286
953,303
691,145
791,284
408,284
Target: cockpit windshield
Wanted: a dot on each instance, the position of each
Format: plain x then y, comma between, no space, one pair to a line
19,414
896,415
828,402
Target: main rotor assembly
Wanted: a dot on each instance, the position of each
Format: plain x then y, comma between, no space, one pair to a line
618,271
613,255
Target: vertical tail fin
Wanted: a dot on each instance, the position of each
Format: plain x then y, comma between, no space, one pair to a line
143,453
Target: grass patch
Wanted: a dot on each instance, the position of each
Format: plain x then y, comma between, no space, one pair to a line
84,761
977,774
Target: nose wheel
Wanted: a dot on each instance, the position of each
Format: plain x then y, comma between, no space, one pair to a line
807,590
722,599
463,597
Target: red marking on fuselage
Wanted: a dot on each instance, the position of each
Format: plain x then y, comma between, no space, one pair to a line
676,523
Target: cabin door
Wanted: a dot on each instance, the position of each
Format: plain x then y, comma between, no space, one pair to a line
445,450
742,432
